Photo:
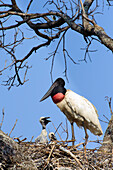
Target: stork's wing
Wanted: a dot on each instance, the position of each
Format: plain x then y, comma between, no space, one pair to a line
84,110
42,138
90,104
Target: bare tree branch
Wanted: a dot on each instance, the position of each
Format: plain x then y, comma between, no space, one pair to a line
58,18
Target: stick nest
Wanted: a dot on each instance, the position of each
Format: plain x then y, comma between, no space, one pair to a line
26,155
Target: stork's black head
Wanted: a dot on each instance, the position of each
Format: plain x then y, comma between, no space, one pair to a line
44,121
56,91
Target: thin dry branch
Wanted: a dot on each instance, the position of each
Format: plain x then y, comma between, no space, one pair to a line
109,102
87,51
103,121
65,61
31,138
66,130
65,15
58,127
19,141
2,119
57,131
106,117
48,159
34,49
13,127
53,56
29,6
71,154
6,67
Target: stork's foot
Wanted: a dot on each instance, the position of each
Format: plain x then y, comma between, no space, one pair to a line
73,136
84,145
73,141
85,152
86,140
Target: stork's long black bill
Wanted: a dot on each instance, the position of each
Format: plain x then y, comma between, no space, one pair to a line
57,82
49,91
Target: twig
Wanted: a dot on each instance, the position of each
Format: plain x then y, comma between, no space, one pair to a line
109,101
106,117
65,141
53,56
103,121
19,141
2,118
29,6
31,138
13,127
70,57
48,159
65,61
75,146
78,144
56,131
26,74
66,130
58,127
82,6
71,154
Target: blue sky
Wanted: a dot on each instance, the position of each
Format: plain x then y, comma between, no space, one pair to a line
92,80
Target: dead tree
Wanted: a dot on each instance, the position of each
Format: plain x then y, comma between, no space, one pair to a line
53,24
107,145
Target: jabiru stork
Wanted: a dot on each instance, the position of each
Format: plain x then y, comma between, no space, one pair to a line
42,138
75,107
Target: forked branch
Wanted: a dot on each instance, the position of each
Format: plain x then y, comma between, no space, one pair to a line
58,18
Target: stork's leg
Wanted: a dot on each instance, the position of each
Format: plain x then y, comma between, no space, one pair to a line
86,139
86,135
73,136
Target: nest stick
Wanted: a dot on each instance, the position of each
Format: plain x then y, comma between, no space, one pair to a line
13,127
48,159
2,118
57,131
72,155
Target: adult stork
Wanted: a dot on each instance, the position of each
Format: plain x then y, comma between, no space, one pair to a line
75,107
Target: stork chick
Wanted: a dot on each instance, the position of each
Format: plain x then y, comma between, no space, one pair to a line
52,136
42,138
75,107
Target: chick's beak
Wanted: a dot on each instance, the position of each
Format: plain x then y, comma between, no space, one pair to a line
46,120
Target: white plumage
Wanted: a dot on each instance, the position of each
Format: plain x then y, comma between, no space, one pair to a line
42,138
78,109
